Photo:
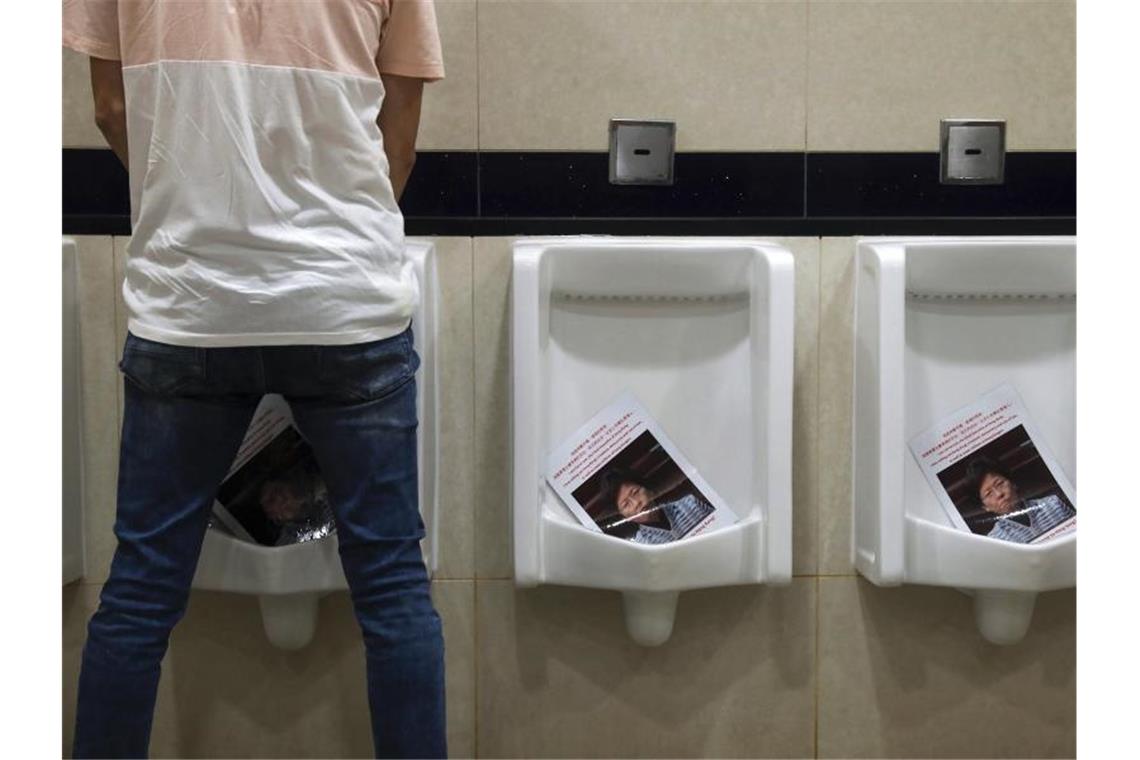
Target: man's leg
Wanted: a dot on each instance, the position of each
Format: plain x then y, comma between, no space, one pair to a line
175,451
363,435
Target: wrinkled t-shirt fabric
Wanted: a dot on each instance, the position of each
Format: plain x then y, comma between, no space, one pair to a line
261,208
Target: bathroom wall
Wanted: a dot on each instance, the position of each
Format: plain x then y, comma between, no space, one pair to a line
827,666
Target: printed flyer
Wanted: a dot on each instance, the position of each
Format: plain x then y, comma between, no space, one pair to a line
274,494
992,473
621,475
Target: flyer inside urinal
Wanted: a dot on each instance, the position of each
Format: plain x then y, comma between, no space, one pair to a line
993,474
621,475
274,494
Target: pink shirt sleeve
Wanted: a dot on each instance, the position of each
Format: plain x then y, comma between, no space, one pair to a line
409,41
92,27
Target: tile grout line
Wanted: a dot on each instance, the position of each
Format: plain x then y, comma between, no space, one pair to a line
815,723
818,438
119,387
819,414
473,503
117,288
475,668
818,402
478,132
807,100
820,492
84,400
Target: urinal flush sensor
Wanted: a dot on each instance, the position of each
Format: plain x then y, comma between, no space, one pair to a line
972,151
641,151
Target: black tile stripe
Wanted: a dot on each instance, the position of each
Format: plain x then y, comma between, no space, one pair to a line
469,193
706,185
443,185
861,185
94,185
96,191
750,226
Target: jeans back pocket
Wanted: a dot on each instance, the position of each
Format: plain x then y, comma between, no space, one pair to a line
368,371
161,368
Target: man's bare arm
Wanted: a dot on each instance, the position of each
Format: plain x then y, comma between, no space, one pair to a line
399,121
110,104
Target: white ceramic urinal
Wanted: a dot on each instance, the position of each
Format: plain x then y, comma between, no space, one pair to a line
939,323
73,552
700,331
290,580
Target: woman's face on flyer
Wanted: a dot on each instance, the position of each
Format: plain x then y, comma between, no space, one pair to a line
280,503
632,500
998,494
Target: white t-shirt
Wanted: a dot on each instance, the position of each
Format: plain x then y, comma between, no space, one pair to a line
261,207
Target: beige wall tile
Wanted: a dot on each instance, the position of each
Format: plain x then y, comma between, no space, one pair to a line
456,422
101,429
904,673
552,73
448,120
455,601
560,677
79,601
836,342
79,130
882,74
805,407
491,276
226,692
121,244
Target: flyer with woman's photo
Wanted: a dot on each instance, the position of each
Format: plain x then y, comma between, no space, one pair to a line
619,474
993,474
274,494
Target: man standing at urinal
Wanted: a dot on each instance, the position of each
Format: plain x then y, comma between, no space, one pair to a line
267,143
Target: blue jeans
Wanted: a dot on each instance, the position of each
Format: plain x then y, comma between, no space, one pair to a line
186,412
